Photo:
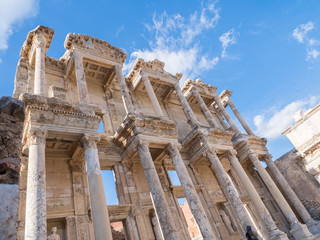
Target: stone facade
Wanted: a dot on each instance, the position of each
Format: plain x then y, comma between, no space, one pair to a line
151,126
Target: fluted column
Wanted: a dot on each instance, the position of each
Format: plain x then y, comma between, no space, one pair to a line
230,190
39,69
36,209
101,223
298,230
190,193
225,113
81,78
212,122
152,95
159,199
185,105
274,232
292,197
240,118
126,98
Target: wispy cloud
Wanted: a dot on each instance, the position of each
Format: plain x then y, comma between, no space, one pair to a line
301,33
120,29
227,39
272,123
175,41
12,12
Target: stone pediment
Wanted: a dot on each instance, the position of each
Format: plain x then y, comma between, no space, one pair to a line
153,69
94,46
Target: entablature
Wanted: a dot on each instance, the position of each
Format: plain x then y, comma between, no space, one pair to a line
55,115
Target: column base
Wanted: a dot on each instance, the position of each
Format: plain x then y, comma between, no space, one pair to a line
313,226
300,231
278,235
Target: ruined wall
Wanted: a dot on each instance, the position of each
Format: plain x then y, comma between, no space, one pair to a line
11,123
304,185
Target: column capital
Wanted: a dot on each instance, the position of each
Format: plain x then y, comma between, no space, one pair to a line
40,40
37,136
118,69
232,152
90,140
172,149
144,77
143,142
267,156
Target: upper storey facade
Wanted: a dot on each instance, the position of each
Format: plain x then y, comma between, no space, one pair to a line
90,73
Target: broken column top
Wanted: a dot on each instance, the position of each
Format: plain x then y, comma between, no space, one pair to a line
27,45
204,89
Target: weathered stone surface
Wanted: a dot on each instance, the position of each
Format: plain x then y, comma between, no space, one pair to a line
9,211
151,126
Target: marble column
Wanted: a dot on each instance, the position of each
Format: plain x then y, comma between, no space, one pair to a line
158,197
291,195
152,95
81,78
274,232
101,223
212,122
185,105
240,118
298,230
36,208
40,63
124,90
229,189
190,192
225,114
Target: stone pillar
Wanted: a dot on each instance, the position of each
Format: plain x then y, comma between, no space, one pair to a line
190,193
274,232
154,101
36,209
229,190
39,70
185,105
225,114
124,90
98,201
240,118
298,230
81,78
107,122
158,197
212,122
292,197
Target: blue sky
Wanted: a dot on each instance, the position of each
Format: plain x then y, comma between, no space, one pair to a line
266,52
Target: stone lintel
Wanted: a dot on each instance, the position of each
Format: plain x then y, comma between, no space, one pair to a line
27,49
118,213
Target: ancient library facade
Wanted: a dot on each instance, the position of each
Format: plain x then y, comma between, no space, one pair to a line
151,125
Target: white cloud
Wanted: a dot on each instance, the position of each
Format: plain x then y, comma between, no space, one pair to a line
12,12
300,33
274,122
175,41
120,29
227,39
313,54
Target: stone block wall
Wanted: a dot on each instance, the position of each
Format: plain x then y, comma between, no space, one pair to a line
302,182
12,113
